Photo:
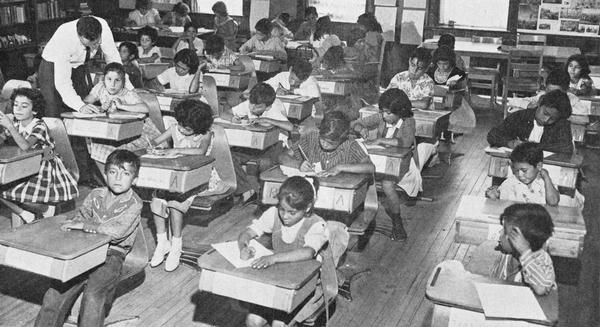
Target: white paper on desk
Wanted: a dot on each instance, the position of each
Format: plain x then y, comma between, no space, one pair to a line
159,156
509,301
203,30
126,115
370,146
289,96
547,154
466,318
519,102
220,71
231,252
290,172
453,78
267,57
176,29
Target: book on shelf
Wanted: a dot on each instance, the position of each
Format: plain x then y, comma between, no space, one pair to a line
11,15
49,10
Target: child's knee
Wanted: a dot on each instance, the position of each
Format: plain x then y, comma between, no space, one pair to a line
254,320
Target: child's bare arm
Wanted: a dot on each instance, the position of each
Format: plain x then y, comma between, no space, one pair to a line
303,253
135,107
552,195
245,237
165,136
363,167
90,98
283,124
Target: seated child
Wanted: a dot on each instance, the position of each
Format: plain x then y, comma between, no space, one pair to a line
189,40
219,56
147,51
414,82
143,14
129,57
579,71
53,183
547,125
296,81
323,38
280,29
115,211
262,43
527,227
113,95
185,76
449,40
179,16
191,135
225,26
333,64
263,108
307,28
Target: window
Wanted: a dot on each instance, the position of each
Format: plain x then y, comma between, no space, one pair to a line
351,9
475,13
234,7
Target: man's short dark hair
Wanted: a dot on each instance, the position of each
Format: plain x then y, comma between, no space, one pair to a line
89,27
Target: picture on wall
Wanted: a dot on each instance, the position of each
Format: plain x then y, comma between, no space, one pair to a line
570,17
528,15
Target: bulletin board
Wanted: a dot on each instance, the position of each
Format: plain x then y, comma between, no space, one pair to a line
566,17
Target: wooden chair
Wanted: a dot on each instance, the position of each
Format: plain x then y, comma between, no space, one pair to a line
522,74
480,77
167,55
378,64
249,69
209,91
11,85
531,39
150,71
153,109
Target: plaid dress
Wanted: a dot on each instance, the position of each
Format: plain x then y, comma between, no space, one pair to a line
53,183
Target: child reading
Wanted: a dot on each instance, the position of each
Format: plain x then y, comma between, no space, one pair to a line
53,183
225,26
129,57
547,125
526,227
189,40
579,71
219,56
191,135
143,14
147,51
262,43
185,76
449,40
114,210
414,82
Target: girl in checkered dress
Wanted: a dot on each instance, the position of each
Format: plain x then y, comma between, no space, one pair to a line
53,183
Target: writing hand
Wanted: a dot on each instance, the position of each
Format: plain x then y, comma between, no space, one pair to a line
247,252
263,262
5,120
306,166
333,171
492,192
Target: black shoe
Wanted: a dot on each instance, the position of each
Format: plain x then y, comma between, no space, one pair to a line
398,234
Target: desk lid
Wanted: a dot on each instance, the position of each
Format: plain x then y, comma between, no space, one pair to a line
45,237
185,162
248,127
113,118
391,151
289,275
295,98
10,153
555,159
341,181
430,114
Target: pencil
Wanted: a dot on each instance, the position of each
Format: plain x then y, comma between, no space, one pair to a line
304,156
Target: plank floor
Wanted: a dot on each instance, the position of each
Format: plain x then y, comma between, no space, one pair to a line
391,294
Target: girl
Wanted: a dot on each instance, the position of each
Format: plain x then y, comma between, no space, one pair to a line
579,70
53,183
367,48
148,52
179,16
395,127
143,14
323,39
225,26
189,40
262,43
218,56
191,135
297,234
414,82
333,64
129,57
307,28
185,76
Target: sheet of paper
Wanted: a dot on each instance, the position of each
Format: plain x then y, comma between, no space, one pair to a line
77,114
126,115
289,96
220,71
265,57
508,301
160,156
453,78
176,29
547,154
231,252
290,171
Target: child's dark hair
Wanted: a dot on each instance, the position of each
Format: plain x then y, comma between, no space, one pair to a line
220,8
423,55
559,100
194,114
262,93
323,27
297,192
448,40
583,63
115,67
264,26
284,17
189,58
150,31
369,22
120,157
334,57
132,48
302,69
89,27
444,53
334,126
214,44
37,100
143,4
559,77
188,25
397,102
528,152
533,220
181,8
310,11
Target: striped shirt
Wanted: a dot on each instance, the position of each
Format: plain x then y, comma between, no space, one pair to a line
537,270
349,152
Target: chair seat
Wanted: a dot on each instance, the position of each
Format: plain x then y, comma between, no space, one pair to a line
207,202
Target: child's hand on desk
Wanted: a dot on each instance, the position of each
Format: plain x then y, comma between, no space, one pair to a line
69,224
247,253
262,121
517,240
263,262
115,104
89,109
492,192
306,166
513,144
333,171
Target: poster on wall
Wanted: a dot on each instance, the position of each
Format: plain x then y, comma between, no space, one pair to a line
569,17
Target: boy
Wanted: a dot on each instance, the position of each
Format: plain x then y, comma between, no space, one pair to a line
115,211
296,81
189,40
527,227
547,125
529,182
263,108
263,44
218,56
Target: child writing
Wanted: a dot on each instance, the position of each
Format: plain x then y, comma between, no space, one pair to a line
297,234
191,135
189,40
225,26
179,16
114,210
323,37
262,43
143,14
333,64
219,56
185,76
579,71
526,227
296,81
129,57
147,51
53,183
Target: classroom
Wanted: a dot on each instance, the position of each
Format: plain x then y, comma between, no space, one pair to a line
299,163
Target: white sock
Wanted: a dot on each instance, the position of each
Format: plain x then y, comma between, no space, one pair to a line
176,243
27,216
161,238
49,212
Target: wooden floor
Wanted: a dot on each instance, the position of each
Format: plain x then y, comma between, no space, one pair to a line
392,294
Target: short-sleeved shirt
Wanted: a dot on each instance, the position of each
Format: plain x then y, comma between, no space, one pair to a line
198,45
315,238
151,17
227,59
349,152
177,83
272,44
275,112
423,87
100,92
309,87
514,190
150,53
173,19
325,42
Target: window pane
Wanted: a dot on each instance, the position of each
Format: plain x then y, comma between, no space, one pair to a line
234,7
475,13
340,11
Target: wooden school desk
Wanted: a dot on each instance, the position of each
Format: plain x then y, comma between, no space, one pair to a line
266,64
562,168
179,175
445,98
282,286
42,248
335,86
252,136
16,163
448,290
344,192
389,160
227,79
297,106
478,220
101,127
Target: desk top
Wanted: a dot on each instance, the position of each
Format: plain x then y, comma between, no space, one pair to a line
450,288
10,153
229,72
250,127
294,98
556,159
421,114
45,237
114,118
176,95
336,78
289,275
391,151
185,162
340,181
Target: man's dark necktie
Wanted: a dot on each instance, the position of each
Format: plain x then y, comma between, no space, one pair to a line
88,77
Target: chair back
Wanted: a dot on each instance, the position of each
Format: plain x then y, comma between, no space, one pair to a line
63,148
223,160
11,85
380,63
524,64
209,91
249,68
595,75
153,109
531,39
137,258
167,55
150,71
